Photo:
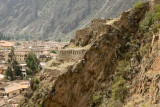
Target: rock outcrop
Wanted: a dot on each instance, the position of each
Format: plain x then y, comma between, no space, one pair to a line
88,82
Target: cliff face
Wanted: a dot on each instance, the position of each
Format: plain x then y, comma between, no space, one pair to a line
113,72
93,77
55,18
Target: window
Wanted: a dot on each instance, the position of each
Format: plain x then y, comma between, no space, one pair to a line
14,94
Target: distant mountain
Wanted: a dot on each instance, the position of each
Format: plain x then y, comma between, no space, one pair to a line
56,19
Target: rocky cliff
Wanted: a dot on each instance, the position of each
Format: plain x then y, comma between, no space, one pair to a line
55,18
119,67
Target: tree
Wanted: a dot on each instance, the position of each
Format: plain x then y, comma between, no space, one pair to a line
33,63
11,56
18,71
9,73
14,65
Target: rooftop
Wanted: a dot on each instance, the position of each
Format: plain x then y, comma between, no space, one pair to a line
6,43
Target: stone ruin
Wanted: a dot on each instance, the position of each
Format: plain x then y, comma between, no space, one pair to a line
70,54
97,22
86,35
83,38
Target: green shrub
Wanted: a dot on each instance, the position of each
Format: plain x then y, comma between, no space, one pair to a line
157,13
53,51
29,72
138,5
147,90
143,50
147,22
96,98
119,91
155,27
156,16
37,87
150,18
122,70
37,81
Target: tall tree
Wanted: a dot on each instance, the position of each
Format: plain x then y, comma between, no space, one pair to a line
14,65
17,69
9,73
33,63
11,56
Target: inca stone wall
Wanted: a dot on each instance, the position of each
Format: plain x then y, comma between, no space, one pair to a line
97,22
86,35
70,54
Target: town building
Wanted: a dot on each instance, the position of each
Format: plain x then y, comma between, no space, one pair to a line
13,89
21,55
5,45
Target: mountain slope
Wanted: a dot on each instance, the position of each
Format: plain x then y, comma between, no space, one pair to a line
55,18
119,68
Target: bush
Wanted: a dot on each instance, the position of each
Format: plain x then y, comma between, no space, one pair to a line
138,5
37,81
96,98
147,22
157,13
150,18
122,70
119,91
153,19
155,27
143,50
53,51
